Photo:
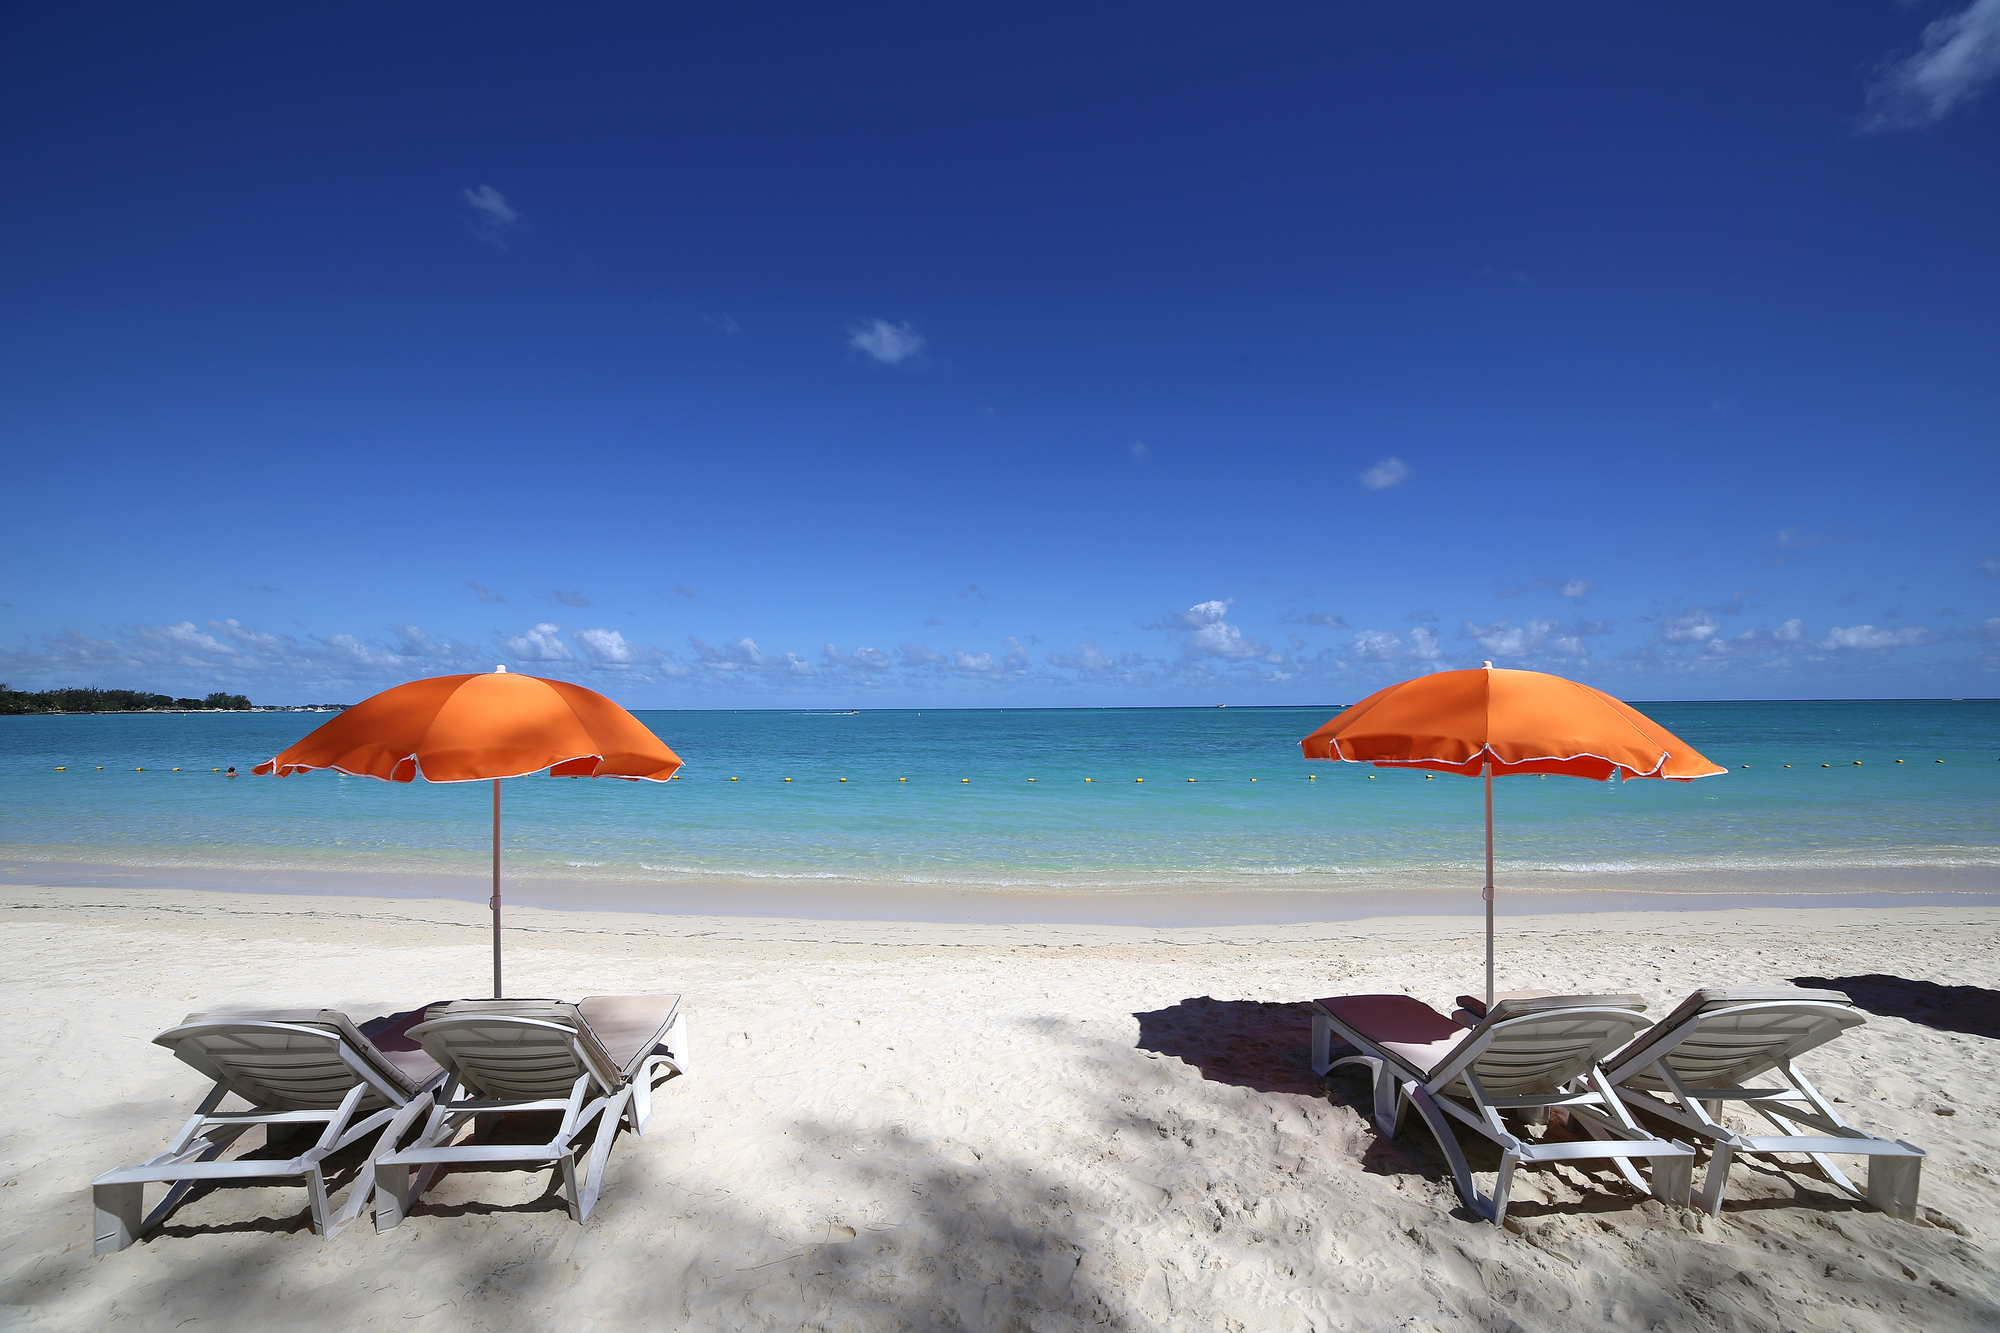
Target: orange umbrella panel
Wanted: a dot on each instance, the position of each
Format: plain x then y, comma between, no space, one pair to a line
480,727
1519,721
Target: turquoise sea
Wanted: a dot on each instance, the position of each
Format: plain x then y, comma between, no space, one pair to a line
969,820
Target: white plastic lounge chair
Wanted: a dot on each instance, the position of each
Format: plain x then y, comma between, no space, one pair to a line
1525,1056
1707,1051
595,1060
296,1068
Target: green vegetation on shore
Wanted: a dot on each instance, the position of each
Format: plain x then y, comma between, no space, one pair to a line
91,700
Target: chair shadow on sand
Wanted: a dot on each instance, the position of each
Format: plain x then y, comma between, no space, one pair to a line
1266,1047
1969,1009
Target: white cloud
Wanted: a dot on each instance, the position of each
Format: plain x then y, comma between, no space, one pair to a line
890,344
1016,659
1537,638
1325,620
745,657
1138,451
570,598
1959,56
1867,637
1087,657
543,643
1790,631
415,642
977,663
1990,566
484,593
916,655
609,648
1374,645
1690,626
1211,635
1424,644
866,659
492,219
1389,472
1576,589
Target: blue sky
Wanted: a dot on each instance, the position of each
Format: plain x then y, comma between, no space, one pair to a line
1038,354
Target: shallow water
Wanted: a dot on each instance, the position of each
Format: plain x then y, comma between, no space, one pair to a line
1256,817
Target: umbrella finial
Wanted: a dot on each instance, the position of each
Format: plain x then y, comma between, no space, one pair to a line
1487,665
501,670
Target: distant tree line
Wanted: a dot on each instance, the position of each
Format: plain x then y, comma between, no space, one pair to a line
90,700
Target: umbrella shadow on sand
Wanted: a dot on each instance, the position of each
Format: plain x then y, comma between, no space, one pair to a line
1970,1009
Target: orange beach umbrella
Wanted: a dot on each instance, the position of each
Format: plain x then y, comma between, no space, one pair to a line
1495,721
481,728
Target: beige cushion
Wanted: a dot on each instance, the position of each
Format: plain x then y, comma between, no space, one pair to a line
1402,1025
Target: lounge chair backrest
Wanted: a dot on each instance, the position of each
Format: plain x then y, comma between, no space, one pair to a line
1544,1048
287,1059
516,1049
1731,1034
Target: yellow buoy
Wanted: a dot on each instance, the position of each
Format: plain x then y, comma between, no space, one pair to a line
138,770
732,779
843,779
1430,777
100,768
61,767
788,779
215,770
905,779
1253,779
177,770
1940,761
965,779
1190,779
1031,779
1787,765
1086,779
1138,779
1857,763
1826,765
1312,777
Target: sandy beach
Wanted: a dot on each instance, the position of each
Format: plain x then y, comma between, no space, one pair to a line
989,1127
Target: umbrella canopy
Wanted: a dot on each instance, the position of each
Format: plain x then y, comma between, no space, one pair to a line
475,728
1487,722
481,728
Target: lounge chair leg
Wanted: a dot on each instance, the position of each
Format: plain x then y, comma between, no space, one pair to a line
1322,1047
1461,1172
1503,1187
115,1215
392,1195
600,1153
1673,1180
570,1193
1893,1183
322,1214
1716,1181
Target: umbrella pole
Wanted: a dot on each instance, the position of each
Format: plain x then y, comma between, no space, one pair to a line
497,891
1487,769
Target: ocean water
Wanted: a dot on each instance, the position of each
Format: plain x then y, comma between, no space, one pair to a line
967,818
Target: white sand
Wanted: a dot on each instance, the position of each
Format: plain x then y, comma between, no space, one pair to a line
979,1127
